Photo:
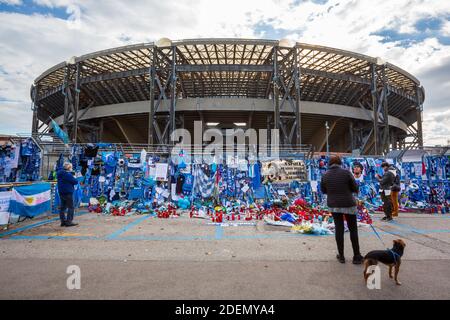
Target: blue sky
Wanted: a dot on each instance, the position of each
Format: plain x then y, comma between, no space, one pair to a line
29,7
36,34
427,27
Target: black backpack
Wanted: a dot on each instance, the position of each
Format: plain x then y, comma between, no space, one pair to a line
396,185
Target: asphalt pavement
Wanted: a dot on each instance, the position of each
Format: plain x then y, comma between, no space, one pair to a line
143,257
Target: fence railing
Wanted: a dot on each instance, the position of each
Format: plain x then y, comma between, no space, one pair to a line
52,147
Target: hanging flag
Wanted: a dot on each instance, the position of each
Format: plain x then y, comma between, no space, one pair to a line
203,184
32,200
60,132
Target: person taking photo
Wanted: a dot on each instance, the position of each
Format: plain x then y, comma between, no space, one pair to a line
66,183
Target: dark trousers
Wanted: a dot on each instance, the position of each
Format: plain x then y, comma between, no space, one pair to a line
339,232
66,203
387,205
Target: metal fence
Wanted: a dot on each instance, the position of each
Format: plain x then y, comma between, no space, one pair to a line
52,147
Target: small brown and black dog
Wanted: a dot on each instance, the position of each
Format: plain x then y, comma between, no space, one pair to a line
390,257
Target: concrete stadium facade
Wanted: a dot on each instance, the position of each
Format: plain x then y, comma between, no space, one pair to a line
369,105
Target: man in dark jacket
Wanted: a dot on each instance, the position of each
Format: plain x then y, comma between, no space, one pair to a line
386,183
339,185
66,183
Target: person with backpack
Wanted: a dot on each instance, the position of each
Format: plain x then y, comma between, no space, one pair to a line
386,182
340,186
395,190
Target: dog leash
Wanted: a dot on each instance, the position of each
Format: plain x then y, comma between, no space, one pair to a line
394,254
378,236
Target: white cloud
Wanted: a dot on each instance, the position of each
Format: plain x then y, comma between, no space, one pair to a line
15,117
436,128
446,28
12,2
31,44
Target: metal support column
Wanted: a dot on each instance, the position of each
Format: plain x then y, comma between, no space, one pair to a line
298,78
269,126
152,72
173,97
76,103
385,108
419,108
34,124
34,108
374,107
393,137
352,142
276,101
66,92
100,131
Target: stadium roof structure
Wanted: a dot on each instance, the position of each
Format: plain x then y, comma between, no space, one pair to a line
287,75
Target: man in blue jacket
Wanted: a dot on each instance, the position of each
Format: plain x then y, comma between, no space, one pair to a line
66,183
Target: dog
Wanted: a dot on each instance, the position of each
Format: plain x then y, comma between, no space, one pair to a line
390,257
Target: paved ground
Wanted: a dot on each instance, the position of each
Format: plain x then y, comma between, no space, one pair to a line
145,257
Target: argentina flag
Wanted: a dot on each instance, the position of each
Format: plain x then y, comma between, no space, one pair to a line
30,201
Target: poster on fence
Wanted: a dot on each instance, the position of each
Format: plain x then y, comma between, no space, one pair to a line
161,171
5,198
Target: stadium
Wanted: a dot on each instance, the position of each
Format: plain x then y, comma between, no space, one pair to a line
139,94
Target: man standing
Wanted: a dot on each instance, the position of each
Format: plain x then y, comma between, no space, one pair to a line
386,182
395,189
66,183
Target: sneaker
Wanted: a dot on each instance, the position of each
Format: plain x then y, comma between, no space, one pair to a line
384,219
358,259
63,224
71,224
340,258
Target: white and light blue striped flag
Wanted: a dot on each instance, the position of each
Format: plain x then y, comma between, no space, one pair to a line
30,201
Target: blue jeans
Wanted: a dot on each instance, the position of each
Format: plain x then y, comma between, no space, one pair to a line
66,203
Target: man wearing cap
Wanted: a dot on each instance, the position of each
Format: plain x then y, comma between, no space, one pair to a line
66,183
386,182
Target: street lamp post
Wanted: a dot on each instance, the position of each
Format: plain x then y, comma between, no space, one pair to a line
327,128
